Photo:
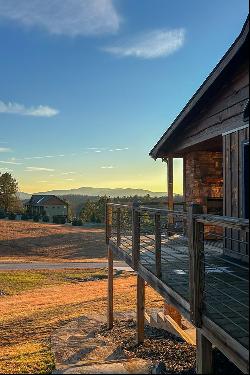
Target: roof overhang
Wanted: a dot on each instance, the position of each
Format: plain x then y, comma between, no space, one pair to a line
159,150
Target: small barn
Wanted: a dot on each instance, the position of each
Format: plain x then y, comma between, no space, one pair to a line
47,205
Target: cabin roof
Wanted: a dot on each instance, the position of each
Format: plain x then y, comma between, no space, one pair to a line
206,88
41,200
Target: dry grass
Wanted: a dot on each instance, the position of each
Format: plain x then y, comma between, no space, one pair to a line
28,318
28,241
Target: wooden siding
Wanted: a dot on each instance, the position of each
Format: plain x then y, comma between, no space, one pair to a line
233,189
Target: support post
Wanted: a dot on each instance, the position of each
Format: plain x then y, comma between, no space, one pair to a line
196,265
110,311
140,309
135,235
204,354
170,164
158,245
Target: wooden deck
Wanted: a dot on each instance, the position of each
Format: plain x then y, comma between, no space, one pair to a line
193,274
226,283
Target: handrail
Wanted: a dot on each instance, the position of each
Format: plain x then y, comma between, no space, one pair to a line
224,221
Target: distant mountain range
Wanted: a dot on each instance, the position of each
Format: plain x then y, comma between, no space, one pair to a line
90,191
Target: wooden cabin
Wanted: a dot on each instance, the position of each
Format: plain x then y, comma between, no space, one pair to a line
211,134
198,259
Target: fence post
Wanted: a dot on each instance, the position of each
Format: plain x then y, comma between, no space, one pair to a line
135,235
118,227
158,245
196,264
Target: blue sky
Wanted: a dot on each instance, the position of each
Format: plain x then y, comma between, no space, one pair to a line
87,87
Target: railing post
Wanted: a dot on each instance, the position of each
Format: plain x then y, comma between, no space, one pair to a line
158,245
135,235
118,239
110,304
196,265
108,221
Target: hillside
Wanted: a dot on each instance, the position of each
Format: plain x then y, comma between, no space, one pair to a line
93,192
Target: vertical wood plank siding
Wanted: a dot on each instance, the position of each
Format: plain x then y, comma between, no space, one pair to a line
233,190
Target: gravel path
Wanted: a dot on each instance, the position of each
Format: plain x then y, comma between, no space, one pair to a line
59,266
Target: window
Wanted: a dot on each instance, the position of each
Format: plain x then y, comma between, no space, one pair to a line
246,180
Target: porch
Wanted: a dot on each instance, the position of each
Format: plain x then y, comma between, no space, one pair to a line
181,255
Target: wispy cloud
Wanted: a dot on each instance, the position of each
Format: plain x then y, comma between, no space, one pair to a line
10,162
39,169
67,17
150,45
108,167
68,173
69,179
5,149
20,109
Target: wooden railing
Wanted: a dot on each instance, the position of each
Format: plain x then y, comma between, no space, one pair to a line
185,251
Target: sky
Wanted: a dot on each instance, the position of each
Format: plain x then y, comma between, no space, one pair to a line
87,87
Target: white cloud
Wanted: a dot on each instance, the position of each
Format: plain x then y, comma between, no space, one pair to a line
5,149
67,17
69,179
108,167
39,169
150,45
20,109
10,162
68,173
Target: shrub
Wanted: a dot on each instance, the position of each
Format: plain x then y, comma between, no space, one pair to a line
12,216
36,218
77,222
45,219
24,217
59,220
2,215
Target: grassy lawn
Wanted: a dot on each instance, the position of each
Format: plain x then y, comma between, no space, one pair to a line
38,302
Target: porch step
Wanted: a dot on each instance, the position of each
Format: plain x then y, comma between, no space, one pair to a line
165,322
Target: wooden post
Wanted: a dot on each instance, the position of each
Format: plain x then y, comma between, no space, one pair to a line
204,354
140,309
158,245
108,222
196,265
110,311
118,227
170,183
135,235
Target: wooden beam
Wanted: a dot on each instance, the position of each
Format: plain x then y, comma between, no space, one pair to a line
170,164
110,310
173,313
204,354
140,309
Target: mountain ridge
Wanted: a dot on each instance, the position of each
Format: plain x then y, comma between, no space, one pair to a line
91,191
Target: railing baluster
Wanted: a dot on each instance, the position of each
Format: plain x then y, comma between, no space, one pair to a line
196,266
135,235
158,245
118,227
